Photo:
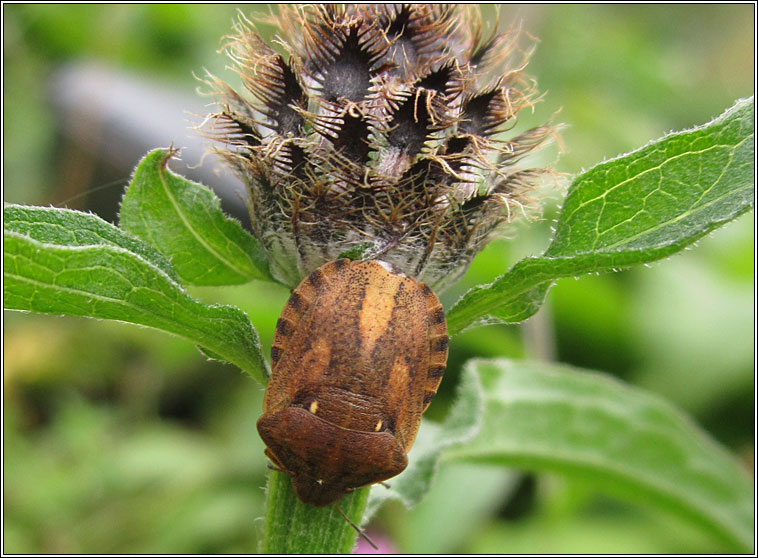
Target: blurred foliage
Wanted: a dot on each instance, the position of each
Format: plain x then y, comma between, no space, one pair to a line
117,439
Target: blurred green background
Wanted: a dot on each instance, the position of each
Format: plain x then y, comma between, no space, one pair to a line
118,439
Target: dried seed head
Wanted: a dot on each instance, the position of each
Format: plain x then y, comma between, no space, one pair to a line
381,131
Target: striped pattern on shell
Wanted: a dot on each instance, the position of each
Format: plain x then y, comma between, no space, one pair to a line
380,132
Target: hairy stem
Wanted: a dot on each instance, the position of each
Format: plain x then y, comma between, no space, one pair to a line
296,528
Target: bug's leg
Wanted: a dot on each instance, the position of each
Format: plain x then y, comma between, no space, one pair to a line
273,464
361,532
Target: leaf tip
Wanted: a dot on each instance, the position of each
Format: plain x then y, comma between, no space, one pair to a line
169,153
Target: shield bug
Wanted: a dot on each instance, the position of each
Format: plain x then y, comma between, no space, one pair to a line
358,354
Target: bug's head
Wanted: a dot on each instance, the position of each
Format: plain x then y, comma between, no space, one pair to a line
326,460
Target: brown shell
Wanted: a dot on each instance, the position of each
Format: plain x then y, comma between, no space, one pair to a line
358,354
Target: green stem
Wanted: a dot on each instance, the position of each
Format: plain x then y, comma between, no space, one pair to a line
296,528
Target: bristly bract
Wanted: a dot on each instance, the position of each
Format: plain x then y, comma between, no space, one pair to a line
378,128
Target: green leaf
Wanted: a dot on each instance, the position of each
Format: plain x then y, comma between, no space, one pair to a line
357,252
67,227
621,439
184,221
635,209
114,278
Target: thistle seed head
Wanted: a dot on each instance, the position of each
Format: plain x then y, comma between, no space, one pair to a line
377,130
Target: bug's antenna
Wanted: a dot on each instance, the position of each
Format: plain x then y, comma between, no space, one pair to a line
118,182
354,526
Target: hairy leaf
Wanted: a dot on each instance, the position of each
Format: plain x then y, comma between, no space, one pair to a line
184,221
67,227
555,418
113,277
634,209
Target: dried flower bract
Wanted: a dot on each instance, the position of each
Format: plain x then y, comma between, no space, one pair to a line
381,131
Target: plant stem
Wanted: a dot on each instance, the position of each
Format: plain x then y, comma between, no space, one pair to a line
296,528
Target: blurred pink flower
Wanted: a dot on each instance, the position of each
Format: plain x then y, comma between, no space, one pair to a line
382,541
